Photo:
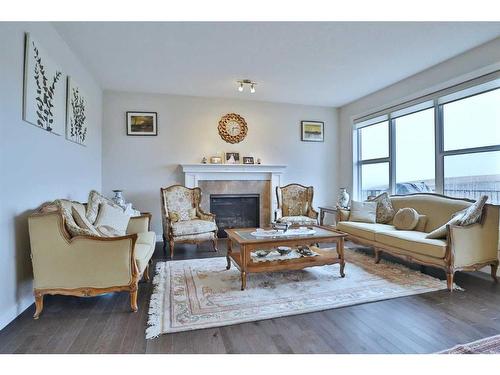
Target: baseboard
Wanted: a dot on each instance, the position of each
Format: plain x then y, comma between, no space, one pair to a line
12,313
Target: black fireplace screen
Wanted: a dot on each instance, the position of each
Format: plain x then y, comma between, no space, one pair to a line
235,211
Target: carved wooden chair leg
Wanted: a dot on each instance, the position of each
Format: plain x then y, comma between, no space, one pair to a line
449,280
38,305
171,249
494,269
377,256
146,273
133,298
214,243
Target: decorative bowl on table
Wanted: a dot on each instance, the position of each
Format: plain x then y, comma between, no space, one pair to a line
283,250
261,253
304,250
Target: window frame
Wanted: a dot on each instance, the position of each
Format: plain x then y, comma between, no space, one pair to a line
436,100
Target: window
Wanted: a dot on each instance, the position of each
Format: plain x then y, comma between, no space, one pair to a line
415,156
448,142
374,155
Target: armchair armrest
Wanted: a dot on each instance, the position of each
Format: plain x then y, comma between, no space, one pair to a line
312,213
139,224
473,244
204,215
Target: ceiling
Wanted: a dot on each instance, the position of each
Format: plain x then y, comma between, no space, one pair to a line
316,63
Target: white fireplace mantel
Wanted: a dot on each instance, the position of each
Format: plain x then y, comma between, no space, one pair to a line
193,173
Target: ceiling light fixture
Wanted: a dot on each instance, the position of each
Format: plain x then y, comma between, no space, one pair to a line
244,82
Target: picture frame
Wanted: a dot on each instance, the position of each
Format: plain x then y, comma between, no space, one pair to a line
232,158
248,160
142,123
215,160
76,113
312,131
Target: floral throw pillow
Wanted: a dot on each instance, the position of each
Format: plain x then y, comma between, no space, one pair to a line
385,210
473,213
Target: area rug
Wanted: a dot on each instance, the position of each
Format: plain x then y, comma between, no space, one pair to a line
201,293
489,345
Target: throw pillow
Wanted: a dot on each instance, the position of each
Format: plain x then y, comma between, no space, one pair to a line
472,214
113,217
173,216
442,232
422,221
192,214
364,212
82,221
406,219
385,211
65,206
95,199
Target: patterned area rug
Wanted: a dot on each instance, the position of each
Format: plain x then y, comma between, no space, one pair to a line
489,345
201,293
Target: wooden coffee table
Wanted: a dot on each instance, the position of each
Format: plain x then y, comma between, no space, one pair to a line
241,243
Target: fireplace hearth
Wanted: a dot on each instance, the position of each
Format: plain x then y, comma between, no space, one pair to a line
235,211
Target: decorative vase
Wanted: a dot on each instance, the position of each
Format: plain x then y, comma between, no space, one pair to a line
343,198
118,198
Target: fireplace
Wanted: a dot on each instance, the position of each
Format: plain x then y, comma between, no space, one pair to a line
235,211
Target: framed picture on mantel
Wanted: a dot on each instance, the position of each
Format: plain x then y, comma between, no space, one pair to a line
142,123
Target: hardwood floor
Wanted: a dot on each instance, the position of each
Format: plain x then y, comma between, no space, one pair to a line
424,323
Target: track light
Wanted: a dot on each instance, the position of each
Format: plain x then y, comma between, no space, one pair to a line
243,82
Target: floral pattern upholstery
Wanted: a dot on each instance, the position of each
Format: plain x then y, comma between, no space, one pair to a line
295,204
183,219
196,226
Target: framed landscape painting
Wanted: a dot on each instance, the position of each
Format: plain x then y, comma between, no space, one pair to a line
142,123
44,99
313,131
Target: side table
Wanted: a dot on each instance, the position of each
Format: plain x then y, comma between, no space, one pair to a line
327,209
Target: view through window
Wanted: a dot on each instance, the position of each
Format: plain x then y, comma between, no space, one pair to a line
464,162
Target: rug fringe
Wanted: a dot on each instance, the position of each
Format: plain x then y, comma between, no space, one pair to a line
154,320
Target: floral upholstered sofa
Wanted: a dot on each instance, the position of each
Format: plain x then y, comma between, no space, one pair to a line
295,205
463,247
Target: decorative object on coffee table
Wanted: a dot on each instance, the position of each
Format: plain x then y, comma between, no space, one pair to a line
312,131
343,198
244,243
232,128
142,123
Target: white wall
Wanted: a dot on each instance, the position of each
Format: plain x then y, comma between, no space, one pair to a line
36,166
187,131
478,61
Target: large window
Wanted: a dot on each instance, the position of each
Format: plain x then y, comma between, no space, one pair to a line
447,143
374,158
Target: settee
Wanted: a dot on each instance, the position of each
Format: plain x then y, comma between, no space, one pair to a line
465,248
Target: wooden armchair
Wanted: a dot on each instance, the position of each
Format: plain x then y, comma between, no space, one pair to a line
295,205
183,219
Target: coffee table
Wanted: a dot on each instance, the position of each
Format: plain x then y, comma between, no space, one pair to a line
241,243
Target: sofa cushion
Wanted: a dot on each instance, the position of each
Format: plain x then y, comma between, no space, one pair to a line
385,211
112,216
306,220
422,221
94,200
363,230
186,227
405,219
82,221
147,238
66,208
143,254
364,212
413,241
473,214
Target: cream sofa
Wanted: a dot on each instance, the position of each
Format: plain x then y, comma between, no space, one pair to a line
466,248
87,265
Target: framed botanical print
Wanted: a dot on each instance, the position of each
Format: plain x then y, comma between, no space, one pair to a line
76,113
312,131
142,123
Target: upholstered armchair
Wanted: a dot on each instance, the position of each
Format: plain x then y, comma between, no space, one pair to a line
85,265
183,219
295,205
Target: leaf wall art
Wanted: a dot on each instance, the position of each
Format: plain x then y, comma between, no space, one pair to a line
44,89
76,113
